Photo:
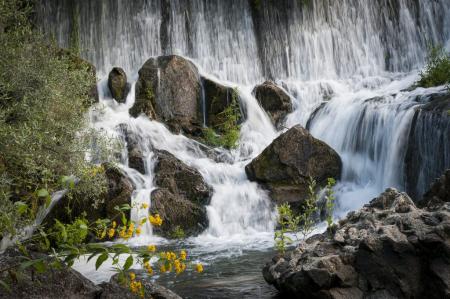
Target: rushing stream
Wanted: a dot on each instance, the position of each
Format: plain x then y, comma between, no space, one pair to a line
348,66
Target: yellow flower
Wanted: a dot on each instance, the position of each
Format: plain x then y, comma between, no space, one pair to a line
183,255
132,276
148,268
162,268
151,248
199,268
138,230
155,220
162,255
111,232
144,205
103,234
114,224
131,227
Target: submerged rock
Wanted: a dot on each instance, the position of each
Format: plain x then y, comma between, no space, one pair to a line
117,84
388,249
181,196
274,100
286,165
168,90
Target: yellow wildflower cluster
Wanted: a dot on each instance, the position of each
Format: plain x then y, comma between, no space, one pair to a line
148,267
136,286
199,268
151,248
170,261
144,206
94,171
155,220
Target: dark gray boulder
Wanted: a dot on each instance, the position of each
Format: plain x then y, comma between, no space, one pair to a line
117,84
388,249
181,196
274,100
168,90
438,194
286,165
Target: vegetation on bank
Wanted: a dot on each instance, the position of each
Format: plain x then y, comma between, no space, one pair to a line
226,134
437,69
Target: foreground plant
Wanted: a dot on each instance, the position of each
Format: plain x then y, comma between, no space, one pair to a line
304,223
437,69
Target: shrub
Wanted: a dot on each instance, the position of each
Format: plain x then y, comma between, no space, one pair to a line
226,134
437,69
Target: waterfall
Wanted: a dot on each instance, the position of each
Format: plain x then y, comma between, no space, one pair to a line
347,65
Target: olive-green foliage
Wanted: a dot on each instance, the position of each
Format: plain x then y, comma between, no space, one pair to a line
178,233
43,124
437,70
71,234
329,199
229,129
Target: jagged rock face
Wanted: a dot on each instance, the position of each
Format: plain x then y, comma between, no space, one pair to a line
274,100
181,196
388,249
117,84
438,194
285,166
119,191
168,90
421,164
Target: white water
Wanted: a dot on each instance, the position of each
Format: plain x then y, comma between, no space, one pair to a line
338,54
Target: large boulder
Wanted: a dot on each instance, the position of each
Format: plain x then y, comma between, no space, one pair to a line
388,249
168,90
286,165
181,196
118,192
274,100
117,84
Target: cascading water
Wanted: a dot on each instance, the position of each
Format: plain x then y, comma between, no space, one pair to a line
348,66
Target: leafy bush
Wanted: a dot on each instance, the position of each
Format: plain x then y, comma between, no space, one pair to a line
226,134
43,125
437,70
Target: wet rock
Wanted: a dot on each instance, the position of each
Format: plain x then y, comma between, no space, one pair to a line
181,196
113,289
438,194
217,98
429,138
388,249
54,283
118,192
285,166
117,84
274,100
168,90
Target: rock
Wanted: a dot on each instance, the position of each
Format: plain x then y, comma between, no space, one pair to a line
119,191
54,283
217,98
388,249
285,166
181,196
117,84
428,154
168,90
438,194
133,143
274,100
113,289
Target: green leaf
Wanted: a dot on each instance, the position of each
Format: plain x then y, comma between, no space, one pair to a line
42,193
5,286
21,207
128,263
40,266
100,260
